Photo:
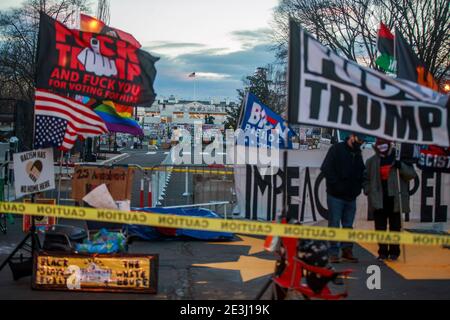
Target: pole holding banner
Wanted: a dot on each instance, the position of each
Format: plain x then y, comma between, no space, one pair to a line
60,177
400,204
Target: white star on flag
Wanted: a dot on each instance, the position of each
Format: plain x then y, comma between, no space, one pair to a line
60,120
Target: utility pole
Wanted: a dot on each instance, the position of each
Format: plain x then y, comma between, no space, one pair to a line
103,14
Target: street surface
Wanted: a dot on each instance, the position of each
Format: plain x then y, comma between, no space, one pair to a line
226,270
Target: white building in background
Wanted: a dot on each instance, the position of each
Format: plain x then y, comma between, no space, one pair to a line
187,112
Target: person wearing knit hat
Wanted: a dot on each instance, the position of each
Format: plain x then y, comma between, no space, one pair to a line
343,169
381,185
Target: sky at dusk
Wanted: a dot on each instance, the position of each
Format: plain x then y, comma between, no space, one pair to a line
222,41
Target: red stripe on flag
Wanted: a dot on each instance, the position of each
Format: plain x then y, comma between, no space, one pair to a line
272,121
70,103
81,112
79,125
384,32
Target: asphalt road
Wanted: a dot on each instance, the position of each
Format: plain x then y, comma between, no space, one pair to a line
180,277
219,270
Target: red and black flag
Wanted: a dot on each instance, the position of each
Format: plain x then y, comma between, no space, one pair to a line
385,44
93,65
409,66
93,25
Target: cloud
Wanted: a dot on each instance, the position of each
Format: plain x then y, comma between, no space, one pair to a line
251,38
157,45
212,75
219,70
220,73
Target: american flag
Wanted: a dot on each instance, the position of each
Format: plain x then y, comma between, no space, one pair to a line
60,120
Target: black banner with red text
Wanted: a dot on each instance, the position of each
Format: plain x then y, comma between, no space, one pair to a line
94,65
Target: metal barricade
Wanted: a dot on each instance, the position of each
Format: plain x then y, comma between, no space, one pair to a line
164,185
175,186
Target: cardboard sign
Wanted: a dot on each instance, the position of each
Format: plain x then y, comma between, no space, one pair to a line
41,222
119,181
34,172
107,273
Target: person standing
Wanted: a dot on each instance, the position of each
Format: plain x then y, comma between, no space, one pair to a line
381,185
343,169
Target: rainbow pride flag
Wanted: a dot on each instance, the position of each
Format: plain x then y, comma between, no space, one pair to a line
118,118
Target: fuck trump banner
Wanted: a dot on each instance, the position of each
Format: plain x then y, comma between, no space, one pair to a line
327,90
94,65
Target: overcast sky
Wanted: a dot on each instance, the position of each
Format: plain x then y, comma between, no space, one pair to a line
221,40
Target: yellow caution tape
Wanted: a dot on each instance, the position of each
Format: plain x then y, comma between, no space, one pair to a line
223,225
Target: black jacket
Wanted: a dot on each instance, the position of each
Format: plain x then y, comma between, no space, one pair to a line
344,171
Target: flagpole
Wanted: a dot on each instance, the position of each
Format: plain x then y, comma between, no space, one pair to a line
399,148
195,88
60,177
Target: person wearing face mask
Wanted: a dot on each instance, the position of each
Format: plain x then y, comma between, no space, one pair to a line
343,169
381,185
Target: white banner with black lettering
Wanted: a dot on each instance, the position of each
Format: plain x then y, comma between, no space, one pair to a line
260,191
327,90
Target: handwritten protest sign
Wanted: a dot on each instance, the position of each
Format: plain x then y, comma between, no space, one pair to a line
118,181
33,171
109,273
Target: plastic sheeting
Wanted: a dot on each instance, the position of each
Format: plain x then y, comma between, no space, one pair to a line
154,233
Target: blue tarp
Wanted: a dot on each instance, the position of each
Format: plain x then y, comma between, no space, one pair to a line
153,233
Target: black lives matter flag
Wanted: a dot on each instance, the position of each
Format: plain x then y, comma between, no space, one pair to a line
329,91
93,65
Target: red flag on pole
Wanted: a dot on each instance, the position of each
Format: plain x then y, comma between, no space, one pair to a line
93,25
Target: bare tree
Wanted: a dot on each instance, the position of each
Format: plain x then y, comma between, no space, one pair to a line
103,12
268,84
425,24
350,27
18,31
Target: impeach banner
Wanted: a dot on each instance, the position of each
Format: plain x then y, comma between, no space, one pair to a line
119,181
259,191
108,273
94,65
327,90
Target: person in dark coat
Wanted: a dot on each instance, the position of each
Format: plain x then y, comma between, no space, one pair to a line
381,185
343,169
